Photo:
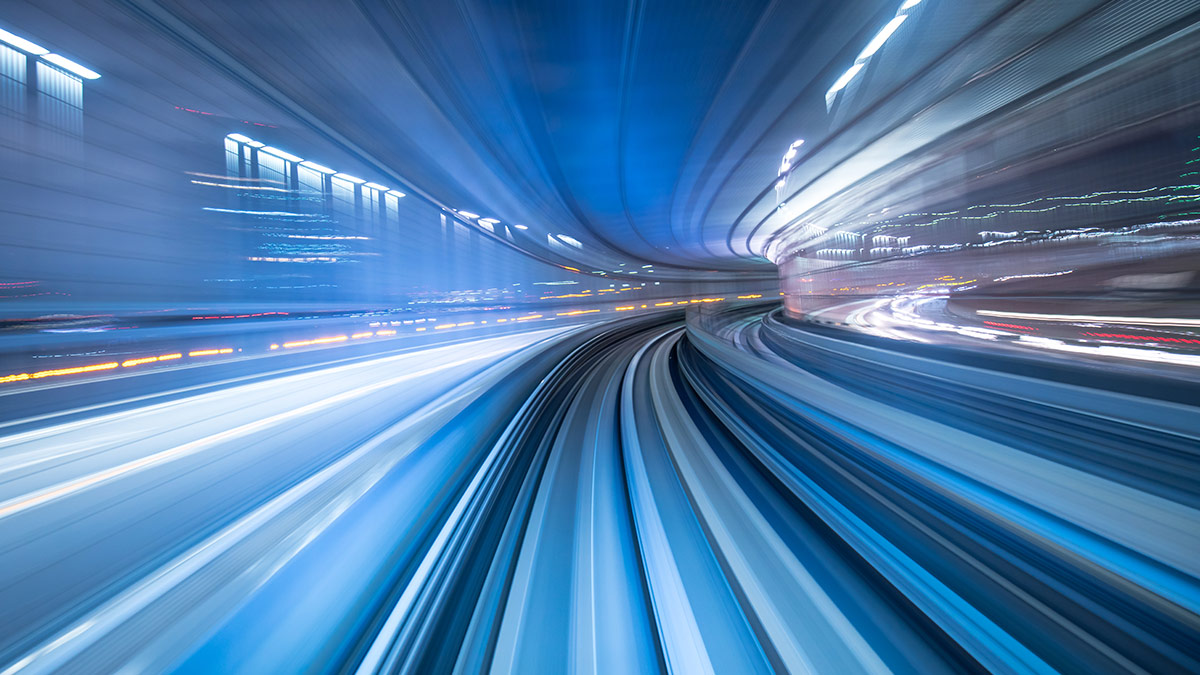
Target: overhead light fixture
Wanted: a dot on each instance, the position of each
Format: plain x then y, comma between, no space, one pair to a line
23,44
844,80
489,221
317,167
881,37
377,186
396,193
468,214
281,154
69,65
348,177
246,140
521,227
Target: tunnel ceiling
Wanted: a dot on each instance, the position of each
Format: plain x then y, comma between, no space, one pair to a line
645,132
639,129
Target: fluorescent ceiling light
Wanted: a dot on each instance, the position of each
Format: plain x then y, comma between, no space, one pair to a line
881,37
352,179
845,79
281,154
468,214
521,227
22,44
377,186
317,167
247,140
67,64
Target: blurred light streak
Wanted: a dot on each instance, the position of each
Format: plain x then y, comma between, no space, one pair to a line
1093,318
315,341
211,352
70,66
881,37
282,154
23,44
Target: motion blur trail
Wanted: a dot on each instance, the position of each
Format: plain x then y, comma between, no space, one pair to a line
733,492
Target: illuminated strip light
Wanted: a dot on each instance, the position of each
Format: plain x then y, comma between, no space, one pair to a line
150,359
348,177
1010,325
326,237
318,167
624,309
72,371
842,81
240,187
444,326
1033,276
397,194
377,186
69,65
468,214
359,336
385,332
281,154
247,212
527,318
881,37
578,312
750,297
244,180
294,260
19,377
1088,318
663,304
210,352
315,341
22,44
872,47
246,140
489,221
1149,338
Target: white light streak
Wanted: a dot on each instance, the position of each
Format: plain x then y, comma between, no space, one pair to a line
22,44
281,154
844,80
67,64
317,167
1092,318
881,37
